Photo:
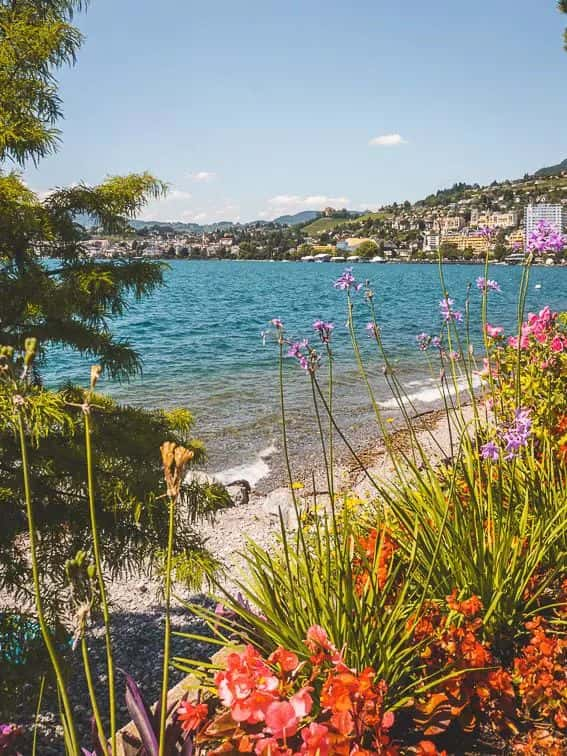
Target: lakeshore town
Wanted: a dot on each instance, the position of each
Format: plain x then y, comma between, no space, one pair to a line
461,224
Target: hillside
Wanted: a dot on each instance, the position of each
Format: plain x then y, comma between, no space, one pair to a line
553,170
298,219
321,225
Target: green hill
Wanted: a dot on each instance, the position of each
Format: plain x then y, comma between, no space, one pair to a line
552,170
330,224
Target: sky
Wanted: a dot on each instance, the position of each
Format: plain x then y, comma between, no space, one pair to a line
257,108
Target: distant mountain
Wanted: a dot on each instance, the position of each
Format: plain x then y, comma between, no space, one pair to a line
552,170
298,219
195,228
192,228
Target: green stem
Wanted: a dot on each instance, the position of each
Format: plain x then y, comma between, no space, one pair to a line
100,581
167,631
92,694
68,721
37,711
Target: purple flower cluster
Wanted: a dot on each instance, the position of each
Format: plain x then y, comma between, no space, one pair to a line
372,330
490,451
347,282
276,322
304,354
447,313
487,232
324,330
513,437
424,341
487,284
546,239
518,433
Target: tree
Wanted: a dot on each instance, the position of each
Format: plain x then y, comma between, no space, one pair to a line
36,39
367,249
562,4
304,250
52,291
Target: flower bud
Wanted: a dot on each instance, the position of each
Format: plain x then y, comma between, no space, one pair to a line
96,371
30,349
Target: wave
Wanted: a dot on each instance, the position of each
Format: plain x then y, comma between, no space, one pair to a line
253,471
432,393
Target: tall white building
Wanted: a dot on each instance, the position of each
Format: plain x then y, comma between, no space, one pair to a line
555,215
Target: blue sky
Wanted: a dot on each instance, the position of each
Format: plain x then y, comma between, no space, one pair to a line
255,108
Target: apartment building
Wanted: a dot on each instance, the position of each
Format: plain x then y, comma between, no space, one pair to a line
555,215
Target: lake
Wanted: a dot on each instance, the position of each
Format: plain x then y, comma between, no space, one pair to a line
200,338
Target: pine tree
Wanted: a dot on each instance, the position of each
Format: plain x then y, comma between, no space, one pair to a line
50,289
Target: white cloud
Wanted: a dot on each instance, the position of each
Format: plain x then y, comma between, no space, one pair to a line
293,203
203,176
178,194
387,140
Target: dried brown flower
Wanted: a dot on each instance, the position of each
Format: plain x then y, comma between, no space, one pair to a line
174,459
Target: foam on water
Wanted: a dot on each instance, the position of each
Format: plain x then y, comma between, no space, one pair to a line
253,471
432,393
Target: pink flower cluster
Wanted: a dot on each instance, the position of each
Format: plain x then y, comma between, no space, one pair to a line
540,327
252,691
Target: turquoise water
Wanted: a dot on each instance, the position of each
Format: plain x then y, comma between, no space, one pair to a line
200,339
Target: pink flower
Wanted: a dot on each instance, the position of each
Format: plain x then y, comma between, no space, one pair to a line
494,332
557,344
302,703
281,719
315,740
317,636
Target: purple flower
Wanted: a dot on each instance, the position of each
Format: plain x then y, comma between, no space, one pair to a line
487,232
490,451
545,239
295,348
276,322
347,281
485,284
324,330
436,342
517,434
307,360
447,313
423,341
372,329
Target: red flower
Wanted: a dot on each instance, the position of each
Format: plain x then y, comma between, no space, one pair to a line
286,660
191,715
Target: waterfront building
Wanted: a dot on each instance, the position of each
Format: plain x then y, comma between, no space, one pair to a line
477,243
431,241
508,219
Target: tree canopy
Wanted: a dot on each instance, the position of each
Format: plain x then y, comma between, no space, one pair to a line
37,38
563,8
52,291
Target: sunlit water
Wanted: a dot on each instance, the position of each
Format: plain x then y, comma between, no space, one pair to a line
200,340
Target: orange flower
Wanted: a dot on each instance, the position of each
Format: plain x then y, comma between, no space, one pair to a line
191,715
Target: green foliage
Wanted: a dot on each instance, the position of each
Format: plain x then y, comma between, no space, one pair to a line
323,576
496,534
367,249
36,39
562,5
131,513
69,302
